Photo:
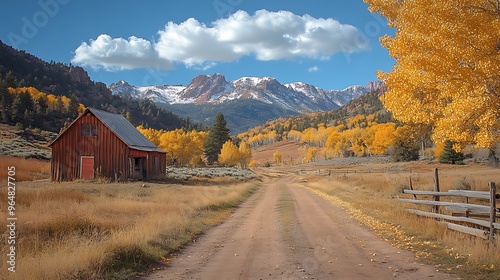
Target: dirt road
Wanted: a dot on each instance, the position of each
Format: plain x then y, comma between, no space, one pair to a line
285,232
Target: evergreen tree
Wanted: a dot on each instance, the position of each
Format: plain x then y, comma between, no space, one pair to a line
11,80
21,103
73,106
449,155
217,136
404,151
5,102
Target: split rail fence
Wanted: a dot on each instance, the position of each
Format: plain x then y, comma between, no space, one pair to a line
470,218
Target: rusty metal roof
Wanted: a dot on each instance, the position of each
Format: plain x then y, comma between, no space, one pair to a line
125,130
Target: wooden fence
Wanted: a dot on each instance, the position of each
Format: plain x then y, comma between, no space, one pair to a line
334,171
474,219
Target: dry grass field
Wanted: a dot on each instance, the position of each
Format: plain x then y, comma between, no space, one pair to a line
85,230
26,169
108,231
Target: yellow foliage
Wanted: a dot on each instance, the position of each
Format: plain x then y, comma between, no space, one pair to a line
253,163
229,154
384,137
438,150
447,67
182,147
277,156
294,135
245,154
52,100
152,134
310,154
263,139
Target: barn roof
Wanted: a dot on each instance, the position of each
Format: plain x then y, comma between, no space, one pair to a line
123,129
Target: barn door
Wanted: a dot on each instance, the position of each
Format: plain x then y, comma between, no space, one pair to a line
87,167
136,167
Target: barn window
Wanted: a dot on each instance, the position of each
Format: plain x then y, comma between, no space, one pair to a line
89,129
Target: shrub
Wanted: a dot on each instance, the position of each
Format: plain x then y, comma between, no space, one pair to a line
404,151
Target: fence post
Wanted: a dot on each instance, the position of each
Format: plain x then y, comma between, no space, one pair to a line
411,188
435,208
493,205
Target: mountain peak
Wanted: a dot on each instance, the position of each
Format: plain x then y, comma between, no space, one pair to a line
215,76
214,89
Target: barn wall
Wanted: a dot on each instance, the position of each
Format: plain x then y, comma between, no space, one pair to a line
110,153
154,169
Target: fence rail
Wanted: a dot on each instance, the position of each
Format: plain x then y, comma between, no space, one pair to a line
485,228
335,171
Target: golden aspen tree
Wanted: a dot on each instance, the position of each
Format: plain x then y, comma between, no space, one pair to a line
334,144
308,135
354,141
51,102
447,71
153,135
310,154
294,135
384,137
277,156
81,109
229,154
245,154
185,147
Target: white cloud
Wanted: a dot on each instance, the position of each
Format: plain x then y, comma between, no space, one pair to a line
313,69
118,54
266,35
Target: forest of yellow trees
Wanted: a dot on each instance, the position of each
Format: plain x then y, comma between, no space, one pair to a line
52,102
361,135
188,147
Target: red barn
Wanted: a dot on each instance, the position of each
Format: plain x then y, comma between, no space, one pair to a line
102,144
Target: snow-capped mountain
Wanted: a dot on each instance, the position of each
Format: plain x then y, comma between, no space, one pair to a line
214,89
157,93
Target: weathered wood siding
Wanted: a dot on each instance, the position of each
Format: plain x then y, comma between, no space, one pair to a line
156,167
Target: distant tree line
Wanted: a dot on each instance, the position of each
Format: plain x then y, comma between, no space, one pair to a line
19,69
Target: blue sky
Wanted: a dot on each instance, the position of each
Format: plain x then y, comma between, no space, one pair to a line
330,44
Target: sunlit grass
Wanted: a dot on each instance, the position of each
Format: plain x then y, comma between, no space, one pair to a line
372,198
103,231
25,169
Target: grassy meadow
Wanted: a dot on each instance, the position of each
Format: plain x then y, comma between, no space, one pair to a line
371,198
26,169
84,230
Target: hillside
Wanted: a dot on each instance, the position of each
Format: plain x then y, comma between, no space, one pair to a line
21,69
241,115
369,103
25,143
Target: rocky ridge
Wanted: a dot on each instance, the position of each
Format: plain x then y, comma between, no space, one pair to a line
215,89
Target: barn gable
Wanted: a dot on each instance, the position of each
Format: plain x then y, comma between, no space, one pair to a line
125,131
103,144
